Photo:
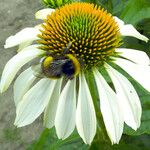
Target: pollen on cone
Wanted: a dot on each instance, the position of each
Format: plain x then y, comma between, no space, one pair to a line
93,32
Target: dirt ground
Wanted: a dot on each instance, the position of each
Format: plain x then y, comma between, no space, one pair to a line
14,16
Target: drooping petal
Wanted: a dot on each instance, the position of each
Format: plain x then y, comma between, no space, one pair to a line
127,97
129,30
24,45
136,56
22,84
50,111
111,112
42,14
14,64
140,73
27,34
34,102
85,113
65,115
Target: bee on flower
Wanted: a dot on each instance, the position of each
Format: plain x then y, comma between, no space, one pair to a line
75,40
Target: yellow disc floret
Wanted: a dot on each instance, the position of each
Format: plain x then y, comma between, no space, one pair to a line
92,32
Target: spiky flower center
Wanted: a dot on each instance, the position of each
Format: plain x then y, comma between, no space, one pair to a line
91,32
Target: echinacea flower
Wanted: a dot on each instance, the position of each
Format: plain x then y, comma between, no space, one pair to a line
75,40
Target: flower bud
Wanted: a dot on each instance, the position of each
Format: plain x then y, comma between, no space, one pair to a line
56,3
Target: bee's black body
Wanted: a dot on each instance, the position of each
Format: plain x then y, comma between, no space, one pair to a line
57,66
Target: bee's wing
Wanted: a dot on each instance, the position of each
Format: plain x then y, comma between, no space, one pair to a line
37,71
66,49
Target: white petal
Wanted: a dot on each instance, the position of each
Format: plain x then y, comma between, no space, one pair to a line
22,84
34,102
65,115
14,64
140,73
85,114
136,56
50,111
24,45
127,97
111,112
27,34
129,30
42,14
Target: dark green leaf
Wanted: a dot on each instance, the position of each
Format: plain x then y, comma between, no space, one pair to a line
135,10
49,141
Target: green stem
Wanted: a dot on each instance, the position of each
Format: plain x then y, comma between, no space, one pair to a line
102,136
42,139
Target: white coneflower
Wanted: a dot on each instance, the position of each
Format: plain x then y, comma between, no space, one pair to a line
74,39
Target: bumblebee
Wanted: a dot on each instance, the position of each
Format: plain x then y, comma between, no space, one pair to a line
67,66
57,66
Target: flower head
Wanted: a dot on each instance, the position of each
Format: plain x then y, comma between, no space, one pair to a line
92,32
76,39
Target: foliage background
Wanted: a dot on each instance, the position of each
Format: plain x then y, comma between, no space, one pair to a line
19,14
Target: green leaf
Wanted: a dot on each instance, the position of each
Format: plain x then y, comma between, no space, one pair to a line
49,141
118,6
127,147
145,25
140,15
135,10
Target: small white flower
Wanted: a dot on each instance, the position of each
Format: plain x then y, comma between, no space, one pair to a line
88,38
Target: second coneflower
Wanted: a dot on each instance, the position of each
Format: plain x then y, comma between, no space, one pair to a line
74,40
